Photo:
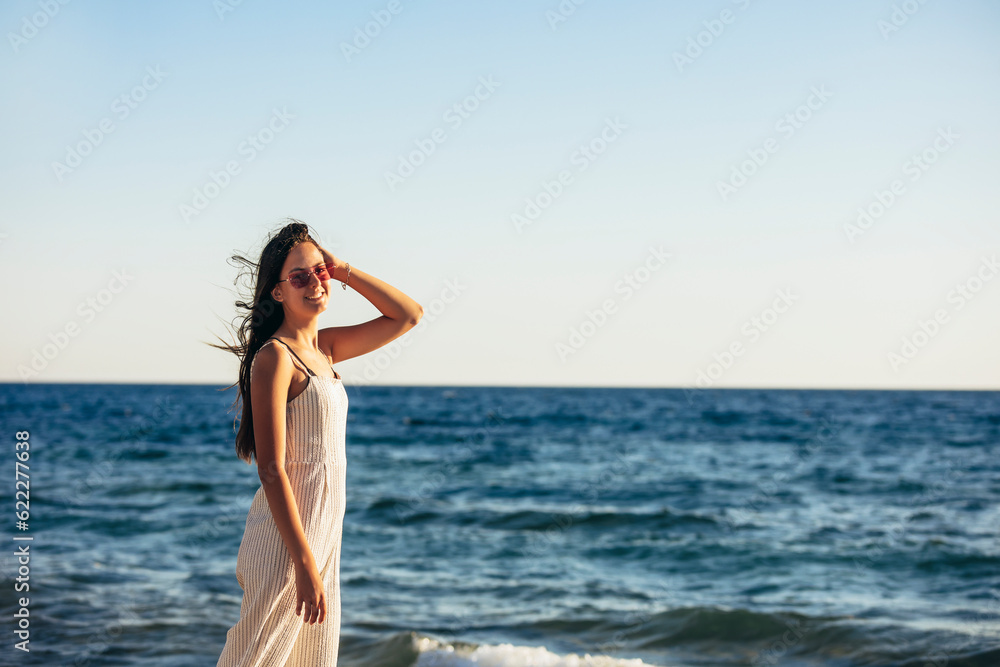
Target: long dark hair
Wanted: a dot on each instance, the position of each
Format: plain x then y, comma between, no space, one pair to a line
264,316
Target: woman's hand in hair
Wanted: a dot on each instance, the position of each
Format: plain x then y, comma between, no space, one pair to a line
333,264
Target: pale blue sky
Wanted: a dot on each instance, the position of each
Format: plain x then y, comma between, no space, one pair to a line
672,133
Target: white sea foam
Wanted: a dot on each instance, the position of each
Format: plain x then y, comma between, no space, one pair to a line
436,654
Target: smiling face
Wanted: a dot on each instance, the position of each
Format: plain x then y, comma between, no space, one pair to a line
303,257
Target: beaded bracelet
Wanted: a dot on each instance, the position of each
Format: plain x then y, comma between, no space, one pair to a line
344,284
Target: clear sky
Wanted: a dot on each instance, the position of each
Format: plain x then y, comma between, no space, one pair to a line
629,193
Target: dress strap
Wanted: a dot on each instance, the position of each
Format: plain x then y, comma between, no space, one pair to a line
294,355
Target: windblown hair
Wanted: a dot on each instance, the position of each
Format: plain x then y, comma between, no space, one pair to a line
264,316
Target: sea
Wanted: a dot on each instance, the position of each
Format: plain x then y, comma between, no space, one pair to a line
524,526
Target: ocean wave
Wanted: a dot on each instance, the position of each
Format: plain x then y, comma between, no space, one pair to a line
682,626
680,637
420,510
433,654
536,520
417,650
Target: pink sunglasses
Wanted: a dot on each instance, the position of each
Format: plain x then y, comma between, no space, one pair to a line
300,278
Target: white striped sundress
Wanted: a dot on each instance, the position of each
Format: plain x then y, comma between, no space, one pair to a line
269,633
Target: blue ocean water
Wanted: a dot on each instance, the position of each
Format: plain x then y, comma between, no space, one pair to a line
531,526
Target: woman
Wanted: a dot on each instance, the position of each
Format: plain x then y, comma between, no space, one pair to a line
294,418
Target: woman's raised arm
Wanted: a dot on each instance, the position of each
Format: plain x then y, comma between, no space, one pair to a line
400,313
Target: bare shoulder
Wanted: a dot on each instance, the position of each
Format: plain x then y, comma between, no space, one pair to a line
271,368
